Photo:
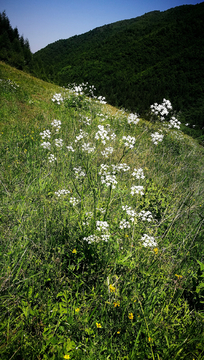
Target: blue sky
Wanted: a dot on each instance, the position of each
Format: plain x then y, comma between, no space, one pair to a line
46,21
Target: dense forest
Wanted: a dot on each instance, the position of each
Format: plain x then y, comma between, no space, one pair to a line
14,49
137,62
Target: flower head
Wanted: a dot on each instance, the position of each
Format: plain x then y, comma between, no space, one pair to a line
131,316
98,325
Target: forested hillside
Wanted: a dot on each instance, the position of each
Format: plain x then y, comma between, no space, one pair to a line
137,62
14,49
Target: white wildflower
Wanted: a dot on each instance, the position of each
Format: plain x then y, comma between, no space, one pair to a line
62,192
156,138
107,151
109,180
59,142
137,190
88,148
51,158
73,201
102,226
57,98
91,238
46,145
124,224
138,173
130,212
79,172
133,118
120,167
148,241
130,141
145,216
70,148
45,134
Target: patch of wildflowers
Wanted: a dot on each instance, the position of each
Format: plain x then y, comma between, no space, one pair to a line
137,190
62,192
138,173
73,201
45,134
46,145
91,239
148,241
79,172
81,135
107,151
56,124
156,138
124,224
51,158
102,226
130,212
129,141
133,118
145,216
57,98
59,143
70,148
120,167
88,148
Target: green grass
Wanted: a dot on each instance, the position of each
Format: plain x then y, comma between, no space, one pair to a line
118,299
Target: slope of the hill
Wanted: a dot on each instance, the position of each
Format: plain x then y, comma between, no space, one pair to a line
101,230
137,62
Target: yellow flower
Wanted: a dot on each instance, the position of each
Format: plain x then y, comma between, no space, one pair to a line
66,356
149,339
131,316
156,250
112,288
98,325
74,251
178,276
118,332
116,303
77,310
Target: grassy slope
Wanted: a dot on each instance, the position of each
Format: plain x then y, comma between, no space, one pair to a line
52,297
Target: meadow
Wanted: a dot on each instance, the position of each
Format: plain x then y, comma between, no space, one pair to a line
101,223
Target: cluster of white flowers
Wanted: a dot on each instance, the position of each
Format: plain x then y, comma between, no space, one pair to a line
45,134
102,210
120,167
88,148
156,138
102,134
124,224
73,201
130,212
62,192
107,151
133,118
57,98
91,239
51,158
46,145
79,172
138,173
106,177
102,99
130,141
161,109
148,241
59,143
56,124
102,226
70,148
137,189
145,216
81,135
173,122
78,90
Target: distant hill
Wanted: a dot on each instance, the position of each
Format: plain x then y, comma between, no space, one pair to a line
137,62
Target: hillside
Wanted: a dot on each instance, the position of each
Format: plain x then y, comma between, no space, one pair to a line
101,228
137,62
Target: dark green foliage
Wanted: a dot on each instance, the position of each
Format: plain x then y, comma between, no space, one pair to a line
14,50
137,62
